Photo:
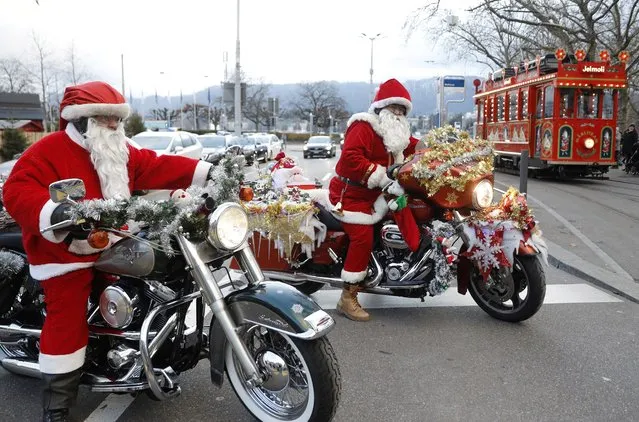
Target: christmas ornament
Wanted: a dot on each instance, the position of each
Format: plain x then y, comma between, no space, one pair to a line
580,55
98,239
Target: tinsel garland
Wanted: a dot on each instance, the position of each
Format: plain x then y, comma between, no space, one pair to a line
164,219
10,264
445,273
434,169
512,206
446,134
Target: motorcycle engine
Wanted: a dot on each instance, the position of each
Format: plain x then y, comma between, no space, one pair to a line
118,304
396,251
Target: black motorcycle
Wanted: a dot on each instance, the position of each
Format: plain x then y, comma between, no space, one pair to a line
268,337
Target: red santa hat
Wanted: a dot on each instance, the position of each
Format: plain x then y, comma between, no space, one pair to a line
391,92
92,99
279,156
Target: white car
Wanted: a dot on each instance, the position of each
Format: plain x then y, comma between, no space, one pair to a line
272,142
175,143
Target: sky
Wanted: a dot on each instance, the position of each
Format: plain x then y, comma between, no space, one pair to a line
170,46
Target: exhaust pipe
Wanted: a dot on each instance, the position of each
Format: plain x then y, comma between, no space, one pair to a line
22,367
13,329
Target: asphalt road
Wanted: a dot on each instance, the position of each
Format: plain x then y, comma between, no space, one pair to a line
445,359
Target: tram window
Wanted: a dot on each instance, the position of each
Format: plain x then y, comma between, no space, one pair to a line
501,109
512,105
540,104
524,104
588,102
608,104
567,103
549,94
480,111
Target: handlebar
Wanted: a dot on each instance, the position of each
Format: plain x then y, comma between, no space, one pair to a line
392,171
61,225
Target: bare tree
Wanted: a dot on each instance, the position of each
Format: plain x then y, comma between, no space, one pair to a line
165,114
321,99
76,73
255,109
45,73
14,76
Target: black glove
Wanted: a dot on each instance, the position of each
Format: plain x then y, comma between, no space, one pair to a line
62,213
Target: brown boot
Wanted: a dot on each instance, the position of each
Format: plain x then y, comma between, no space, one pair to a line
349,306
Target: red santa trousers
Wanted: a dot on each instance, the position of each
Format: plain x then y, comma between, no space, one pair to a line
65,333
359,251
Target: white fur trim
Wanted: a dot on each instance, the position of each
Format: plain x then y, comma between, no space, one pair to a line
76,111
353,277
62,364
45,221
391,100
370,118
75,135
380,209
200,173
377,178
47,271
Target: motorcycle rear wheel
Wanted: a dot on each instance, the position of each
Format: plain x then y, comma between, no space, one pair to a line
313,388
502,298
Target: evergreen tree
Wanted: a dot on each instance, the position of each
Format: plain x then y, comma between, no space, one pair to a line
134,125
13,142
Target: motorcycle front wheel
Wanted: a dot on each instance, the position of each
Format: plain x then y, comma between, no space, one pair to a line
511,296
308,387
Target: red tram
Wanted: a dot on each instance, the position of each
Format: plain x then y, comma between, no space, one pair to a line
560,108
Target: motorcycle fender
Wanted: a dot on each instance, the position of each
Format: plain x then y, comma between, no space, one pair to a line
274,305
525,249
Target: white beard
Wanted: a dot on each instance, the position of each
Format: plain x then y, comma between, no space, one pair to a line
110,156
396,131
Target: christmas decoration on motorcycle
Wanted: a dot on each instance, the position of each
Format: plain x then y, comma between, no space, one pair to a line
452,164
444,256
164,219
11,264
488,251
512,206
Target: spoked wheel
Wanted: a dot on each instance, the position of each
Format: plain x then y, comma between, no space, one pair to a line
302,381
511,295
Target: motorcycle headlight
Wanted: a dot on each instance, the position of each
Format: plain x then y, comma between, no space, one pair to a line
228,227
483,194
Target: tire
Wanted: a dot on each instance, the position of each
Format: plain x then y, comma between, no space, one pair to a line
315,362
527,276
305,156
306,287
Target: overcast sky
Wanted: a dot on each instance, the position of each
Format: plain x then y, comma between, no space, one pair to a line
282,41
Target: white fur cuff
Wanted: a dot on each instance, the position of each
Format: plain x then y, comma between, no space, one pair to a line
378,178
45,221
353,277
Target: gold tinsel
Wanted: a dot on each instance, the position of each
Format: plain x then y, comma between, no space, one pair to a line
434,170
512,206
280,221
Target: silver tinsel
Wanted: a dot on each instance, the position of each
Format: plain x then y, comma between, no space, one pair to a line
10,263
444,274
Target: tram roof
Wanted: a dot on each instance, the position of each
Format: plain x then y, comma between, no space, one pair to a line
580,74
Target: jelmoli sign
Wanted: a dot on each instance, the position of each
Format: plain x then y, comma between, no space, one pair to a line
588,68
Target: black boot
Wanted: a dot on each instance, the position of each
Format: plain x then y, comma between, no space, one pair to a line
59,394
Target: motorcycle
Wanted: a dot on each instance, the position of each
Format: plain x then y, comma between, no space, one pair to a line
492,250
269,338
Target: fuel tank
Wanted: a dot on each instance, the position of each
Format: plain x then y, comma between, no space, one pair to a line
127,257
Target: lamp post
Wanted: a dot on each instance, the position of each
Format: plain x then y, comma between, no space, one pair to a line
208,100
238,86
168,98
373,38
310,123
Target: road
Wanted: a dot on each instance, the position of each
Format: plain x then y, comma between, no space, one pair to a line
445,359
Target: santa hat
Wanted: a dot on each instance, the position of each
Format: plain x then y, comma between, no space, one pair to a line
92,99
391,92
279,156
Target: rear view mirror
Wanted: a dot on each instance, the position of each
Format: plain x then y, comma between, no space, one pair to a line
63,190
178,149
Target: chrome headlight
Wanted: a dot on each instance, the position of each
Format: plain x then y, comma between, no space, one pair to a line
483,194
228,227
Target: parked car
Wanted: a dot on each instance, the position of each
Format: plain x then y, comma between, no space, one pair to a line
175,143
341,141
213,147
260,148
241,145
272,142
319,146
6,167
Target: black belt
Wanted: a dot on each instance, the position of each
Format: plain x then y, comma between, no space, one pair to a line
349,181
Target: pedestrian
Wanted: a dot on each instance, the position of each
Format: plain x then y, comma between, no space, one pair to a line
628,140
90,145
284,139
374,140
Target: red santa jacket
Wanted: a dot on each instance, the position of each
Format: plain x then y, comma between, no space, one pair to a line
361,170
62,156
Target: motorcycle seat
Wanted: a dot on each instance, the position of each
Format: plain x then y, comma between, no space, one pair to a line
326,217
12,241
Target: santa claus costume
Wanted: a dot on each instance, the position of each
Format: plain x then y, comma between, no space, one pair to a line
373,141
110,168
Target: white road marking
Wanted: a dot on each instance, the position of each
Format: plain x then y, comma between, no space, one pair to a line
555,294
327,176
111,408
596,249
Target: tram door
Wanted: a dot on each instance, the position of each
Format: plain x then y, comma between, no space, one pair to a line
536,114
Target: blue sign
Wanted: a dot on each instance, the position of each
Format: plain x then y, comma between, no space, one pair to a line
453,83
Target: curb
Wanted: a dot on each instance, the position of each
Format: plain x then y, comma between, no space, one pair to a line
570,263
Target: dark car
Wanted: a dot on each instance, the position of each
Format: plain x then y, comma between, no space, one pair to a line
241,145
319,146
213,147
261,149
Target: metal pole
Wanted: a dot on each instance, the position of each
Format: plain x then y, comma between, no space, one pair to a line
122,62
523,172
194,111
238,86
372,95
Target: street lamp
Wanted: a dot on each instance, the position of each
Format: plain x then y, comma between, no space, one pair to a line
371,70
310,123
238,100
168,98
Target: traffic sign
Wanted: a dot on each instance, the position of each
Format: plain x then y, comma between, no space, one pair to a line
454,83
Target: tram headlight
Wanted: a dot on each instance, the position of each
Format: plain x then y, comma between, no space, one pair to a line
228,227
483,194
589,143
